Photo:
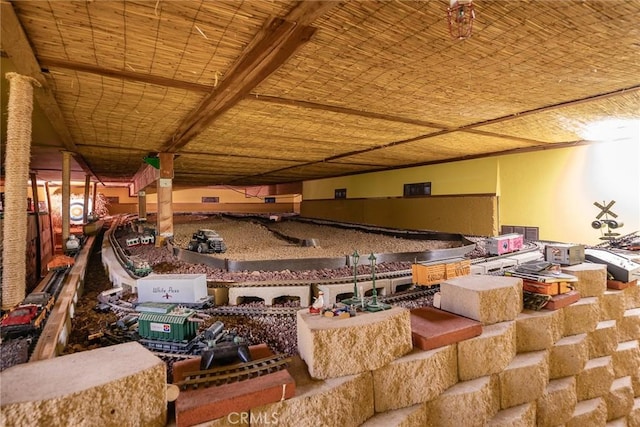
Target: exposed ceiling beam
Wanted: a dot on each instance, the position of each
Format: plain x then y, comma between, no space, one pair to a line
552,107
18,50
342,110
271,47
124,75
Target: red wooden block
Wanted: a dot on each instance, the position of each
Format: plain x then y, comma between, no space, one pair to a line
618,285
562,300
205,404
432,328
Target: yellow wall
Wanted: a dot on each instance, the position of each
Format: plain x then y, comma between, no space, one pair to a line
556,189
552,189
465,177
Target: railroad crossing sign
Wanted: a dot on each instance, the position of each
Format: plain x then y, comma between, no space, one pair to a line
605,210
612,224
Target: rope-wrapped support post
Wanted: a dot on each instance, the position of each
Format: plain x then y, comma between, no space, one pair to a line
20,109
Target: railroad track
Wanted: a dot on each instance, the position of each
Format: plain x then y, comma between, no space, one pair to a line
244,310
234,373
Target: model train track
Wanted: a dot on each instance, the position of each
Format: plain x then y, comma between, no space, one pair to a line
418,292
397,274
234,373
243,310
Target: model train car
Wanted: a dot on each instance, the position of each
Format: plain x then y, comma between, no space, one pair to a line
28,316
138,266
505,243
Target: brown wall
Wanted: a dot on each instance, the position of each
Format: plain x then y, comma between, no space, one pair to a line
210,207
471,215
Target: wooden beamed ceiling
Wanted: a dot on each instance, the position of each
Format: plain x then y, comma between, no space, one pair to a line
250,93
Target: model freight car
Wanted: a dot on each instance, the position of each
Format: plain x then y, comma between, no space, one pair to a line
173,288
173,332
505,243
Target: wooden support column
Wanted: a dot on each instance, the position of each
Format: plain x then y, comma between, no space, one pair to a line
95,197
53,232
85,210
36,212
165,195
142,205
66,197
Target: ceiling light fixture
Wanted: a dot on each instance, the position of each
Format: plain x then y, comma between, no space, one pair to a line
461,16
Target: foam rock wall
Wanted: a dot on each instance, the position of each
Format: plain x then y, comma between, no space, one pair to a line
575,366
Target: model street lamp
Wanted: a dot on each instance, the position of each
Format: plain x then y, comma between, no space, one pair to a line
356,300
374,305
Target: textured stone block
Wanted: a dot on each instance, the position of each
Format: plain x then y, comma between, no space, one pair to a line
538,330
581,317
635,382
603,340
626,359
568,356
557,403
596,378
632,295
592,412
337,347
469,404
487,299
525,379
417,377
488,353
612,305
519,416
592,278
118,385
344,401
411,416
634,415
629,326
619,399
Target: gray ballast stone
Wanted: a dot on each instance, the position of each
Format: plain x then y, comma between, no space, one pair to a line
123,384
487,299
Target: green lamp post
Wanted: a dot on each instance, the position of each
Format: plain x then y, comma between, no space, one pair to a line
355,300
374,305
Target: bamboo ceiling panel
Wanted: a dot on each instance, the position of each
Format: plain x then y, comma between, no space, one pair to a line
397,57
120,163
243,97
255,128
436,148
183,40
314,171
569,123
199,163
119,113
